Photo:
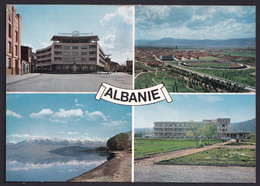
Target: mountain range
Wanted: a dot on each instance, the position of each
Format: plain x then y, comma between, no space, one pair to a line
48,148
205,43
246,126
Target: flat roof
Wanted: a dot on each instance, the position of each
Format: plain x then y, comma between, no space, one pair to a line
59,38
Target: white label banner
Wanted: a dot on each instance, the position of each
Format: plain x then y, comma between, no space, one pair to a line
133,97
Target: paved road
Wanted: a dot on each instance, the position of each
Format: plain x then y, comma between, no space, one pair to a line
191,173
67,82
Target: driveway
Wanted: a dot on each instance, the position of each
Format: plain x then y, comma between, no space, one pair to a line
66,82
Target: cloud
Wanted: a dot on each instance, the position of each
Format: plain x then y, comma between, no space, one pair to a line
78,104
115,123
68,114
108,41
19,136
195,22
29,45
42,114
69,133
96,115
58,117
44,44
123,12
35,166
13,114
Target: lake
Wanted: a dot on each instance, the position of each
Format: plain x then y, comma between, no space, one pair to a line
54,168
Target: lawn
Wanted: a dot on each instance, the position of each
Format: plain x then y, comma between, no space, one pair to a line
218,157
240,76
145,80
209,58
144,147
242,53
141,66
210,64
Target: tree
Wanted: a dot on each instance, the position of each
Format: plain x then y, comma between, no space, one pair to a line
190,134
208,130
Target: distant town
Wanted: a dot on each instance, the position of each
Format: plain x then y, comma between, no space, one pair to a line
196,70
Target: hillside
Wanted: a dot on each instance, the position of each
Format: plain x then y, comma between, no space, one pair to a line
246,126
205,43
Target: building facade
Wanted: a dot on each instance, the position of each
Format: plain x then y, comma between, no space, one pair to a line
13,42
71,54
129,66
179,129
26,55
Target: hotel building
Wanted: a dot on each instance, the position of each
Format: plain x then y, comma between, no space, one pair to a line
179,129
71,54
13,41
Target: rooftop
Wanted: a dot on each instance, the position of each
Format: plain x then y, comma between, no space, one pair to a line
83,38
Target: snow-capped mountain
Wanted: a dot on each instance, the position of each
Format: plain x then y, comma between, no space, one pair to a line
62,142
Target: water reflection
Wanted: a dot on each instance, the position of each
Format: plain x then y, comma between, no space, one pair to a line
52,167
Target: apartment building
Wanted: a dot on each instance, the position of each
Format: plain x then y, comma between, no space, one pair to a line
13,41
71,54
179,129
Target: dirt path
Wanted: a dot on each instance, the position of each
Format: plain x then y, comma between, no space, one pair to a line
117,169
178,153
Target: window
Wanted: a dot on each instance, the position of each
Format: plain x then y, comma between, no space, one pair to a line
57,53
16,36
75,53
66,59
75,47
57,47
9,63
10,47
92,59
16,50
84,53
84,47
66,53
10,31
83,59
66,47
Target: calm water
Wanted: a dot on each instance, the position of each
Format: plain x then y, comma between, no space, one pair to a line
55,168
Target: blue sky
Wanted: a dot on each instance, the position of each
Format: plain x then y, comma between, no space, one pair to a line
194,22
113,25
64,116
196,108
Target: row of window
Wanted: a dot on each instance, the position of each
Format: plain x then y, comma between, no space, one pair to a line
169,130
10,48
10,33
81,59
77,53
168,125
77,47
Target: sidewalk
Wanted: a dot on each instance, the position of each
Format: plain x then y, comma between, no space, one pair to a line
15,78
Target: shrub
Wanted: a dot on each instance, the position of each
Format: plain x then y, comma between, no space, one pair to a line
119,142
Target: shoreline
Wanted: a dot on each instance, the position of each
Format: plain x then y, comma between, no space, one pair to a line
117,169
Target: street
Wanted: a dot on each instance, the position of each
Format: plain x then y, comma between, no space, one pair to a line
192,173
66,82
